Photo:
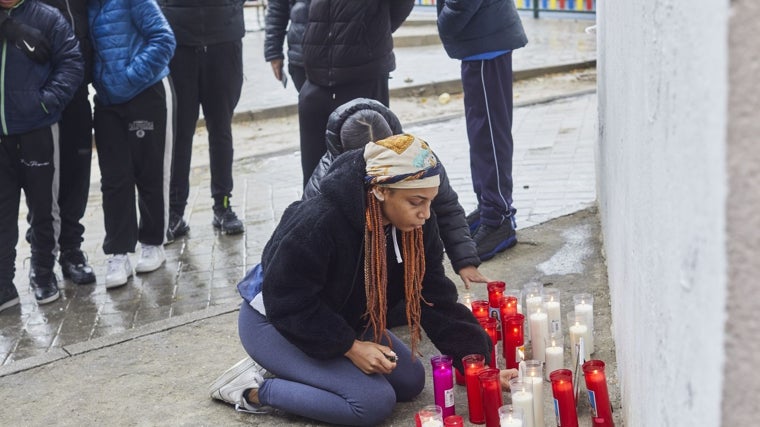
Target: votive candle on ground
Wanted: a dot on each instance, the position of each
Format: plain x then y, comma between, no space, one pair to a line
534,297
534,376
514,339
509,416
507,307
495,293
578,329
490,389
429,416
465,298
516,293
489,325
539,328
473,365
443,383
564,398
453,421
522,397
584,307
555,354
598,396
552,308
480,309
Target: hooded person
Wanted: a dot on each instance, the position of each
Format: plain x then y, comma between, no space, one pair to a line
313,320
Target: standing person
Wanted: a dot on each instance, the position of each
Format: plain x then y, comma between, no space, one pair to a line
286,18
316,329
207,71
41,68
76,153
134,129
347,53
483,34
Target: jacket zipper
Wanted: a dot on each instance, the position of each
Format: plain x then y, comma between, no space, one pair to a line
2,90
71,16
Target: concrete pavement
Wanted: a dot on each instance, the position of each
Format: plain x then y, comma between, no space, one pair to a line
156,343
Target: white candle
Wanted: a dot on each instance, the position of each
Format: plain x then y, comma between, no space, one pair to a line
555,316
538,399
510,422
533,303
538,332
555,356
432,423
519,308
577,331
524,401
586,311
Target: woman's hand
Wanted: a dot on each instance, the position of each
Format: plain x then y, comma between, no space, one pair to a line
470,274
505,375
372,358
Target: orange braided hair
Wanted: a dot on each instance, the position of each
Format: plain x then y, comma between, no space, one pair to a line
376,274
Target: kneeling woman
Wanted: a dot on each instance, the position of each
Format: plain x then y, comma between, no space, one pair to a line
335,263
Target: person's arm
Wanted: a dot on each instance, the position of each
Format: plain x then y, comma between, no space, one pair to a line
30,40
67,68
454,15
275,30
160,43
400,10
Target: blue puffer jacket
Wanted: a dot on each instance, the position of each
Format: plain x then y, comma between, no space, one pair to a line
133,46
472,27
33,95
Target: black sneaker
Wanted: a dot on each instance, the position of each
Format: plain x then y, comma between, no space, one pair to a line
226,221
74,266
473,220
492,240
177,227
44,285
8,296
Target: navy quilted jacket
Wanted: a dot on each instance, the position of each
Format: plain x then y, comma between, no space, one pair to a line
133,46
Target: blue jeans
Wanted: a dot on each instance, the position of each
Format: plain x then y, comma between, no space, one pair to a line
333,391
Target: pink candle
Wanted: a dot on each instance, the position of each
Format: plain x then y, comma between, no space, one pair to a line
473,365
492,398
443,383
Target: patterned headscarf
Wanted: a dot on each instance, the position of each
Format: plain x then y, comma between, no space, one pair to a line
401,161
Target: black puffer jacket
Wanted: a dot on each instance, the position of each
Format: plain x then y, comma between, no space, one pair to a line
451,217
75,11
350,40
204,22
279,13
313,284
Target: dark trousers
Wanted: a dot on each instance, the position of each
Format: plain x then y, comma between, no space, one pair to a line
29,161
488,112
298,75
212,77
76,158
316,103
134,143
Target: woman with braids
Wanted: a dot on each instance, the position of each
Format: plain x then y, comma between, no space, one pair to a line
314,317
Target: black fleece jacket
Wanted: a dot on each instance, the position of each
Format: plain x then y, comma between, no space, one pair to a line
314,274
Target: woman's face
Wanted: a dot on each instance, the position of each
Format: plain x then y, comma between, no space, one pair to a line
7,4
406,208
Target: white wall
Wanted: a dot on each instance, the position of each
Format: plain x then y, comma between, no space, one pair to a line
662,189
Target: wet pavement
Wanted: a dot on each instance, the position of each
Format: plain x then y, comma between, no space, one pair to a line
554,172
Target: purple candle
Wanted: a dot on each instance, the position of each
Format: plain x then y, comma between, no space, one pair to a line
443,383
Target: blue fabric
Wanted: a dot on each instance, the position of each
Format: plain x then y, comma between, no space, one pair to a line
333,391
486,56
251,284
133,43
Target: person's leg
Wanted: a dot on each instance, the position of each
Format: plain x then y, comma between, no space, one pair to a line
185,72
10,197
298,75
332,391
314,104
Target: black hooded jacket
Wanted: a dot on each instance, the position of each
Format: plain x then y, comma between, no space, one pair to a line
204,22
313,284
451,217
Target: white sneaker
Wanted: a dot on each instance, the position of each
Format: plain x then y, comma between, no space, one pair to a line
151,257
119,270
230,386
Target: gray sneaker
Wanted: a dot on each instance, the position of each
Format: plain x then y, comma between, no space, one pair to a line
232,384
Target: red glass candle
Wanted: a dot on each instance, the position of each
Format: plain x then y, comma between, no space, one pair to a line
495,294
489,325
598,396
513,339
507,307
473,365
564,399
453,421
490,388
480,309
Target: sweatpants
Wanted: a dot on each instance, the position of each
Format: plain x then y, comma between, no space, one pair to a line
332,391
316,103
134,142
29,161
487,88
212,77
76,159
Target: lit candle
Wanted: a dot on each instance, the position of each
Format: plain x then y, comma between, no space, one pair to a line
522,397
490,389
598,396
507,307
480,309
443,384
510,416
466,299
538,332
564,398
552,308
584,308
429,416
473,365
534,377
555,354
489,325
513,339
453,421
577,332
495,293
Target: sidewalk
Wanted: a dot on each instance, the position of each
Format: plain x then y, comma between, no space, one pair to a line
143,354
